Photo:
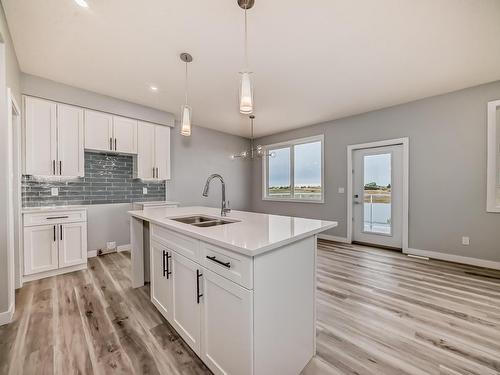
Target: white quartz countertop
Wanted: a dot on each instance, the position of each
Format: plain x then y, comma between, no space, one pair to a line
28,210
252,234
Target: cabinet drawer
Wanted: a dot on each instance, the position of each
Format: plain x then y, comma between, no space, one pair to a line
186,246
232,266
42,218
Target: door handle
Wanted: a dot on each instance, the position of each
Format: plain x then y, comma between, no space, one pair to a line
115,144
111,143
60,167
54,233
61,232
198,295
53,167
156,172
166,267
153,172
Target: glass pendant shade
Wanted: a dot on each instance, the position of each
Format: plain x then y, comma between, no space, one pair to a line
246,94
186,120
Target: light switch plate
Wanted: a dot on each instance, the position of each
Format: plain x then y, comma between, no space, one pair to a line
341,190
465,240
144,190
54,191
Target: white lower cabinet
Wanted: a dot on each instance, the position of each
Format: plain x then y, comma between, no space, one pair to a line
212,314
54,248
226,326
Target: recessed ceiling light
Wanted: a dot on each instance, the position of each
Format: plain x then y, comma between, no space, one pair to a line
153,88
82,3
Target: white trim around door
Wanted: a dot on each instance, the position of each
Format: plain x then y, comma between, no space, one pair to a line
406,162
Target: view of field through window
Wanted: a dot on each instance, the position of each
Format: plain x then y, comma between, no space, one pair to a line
377,205
306,171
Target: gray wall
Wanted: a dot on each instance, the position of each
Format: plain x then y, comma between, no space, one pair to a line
12,77
44,88
206,152
447,170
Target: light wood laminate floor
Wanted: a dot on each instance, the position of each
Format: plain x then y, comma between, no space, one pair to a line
379,312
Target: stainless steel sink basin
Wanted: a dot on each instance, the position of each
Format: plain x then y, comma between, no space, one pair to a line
203,221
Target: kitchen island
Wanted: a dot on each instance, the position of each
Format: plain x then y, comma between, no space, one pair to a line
240,289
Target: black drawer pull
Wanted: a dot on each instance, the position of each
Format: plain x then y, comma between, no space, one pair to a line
57,217
214,259
54,233
198,295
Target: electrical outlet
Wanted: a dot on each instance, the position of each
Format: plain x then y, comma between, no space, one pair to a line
144,190
341,190
54,191
110,245
465,241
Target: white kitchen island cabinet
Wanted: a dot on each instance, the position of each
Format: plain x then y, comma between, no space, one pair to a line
242,294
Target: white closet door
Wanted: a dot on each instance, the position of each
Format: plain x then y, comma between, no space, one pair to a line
145,150
70,141
125,135
162,152
98,131
40,137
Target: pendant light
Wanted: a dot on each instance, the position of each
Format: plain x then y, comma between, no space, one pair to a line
255,151
246,87
186,109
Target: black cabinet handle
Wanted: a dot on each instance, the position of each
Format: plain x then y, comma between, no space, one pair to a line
153,172
57,217
110,143
214,259
61,230
166,267
60,167
53,167
198,295
54,233
115,144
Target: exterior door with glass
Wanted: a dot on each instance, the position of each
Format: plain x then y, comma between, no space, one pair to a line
378,196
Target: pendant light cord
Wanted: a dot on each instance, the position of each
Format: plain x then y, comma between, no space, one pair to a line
186,84
246,38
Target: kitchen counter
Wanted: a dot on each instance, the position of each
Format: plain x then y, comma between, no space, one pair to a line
27,210
251,235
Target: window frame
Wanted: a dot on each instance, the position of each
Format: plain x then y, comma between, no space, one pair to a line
291,144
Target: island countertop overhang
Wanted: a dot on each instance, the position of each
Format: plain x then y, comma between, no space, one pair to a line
253,234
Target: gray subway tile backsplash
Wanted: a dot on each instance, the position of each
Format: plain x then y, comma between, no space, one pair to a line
108,179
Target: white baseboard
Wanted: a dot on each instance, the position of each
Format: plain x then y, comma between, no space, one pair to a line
455,258
127,247
6,316
332,238
91,253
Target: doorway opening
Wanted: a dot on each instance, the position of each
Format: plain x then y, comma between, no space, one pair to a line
377,198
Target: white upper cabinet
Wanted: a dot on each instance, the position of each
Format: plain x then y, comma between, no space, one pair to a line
162,152
125,135
70,152
98,131
146,150
40,136
153,151
53,139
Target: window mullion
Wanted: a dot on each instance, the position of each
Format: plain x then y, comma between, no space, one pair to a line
292,169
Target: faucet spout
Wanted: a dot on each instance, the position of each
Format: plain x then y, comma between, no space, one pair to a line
224,206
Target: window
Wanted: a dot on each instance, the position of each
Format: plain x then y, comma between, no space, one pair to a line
293,171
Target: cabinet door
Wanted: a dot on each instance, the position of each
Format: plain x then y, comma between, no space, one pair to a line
40,137
125,135
186,305
226,326
161,279
145,150
72,244
98,131
162,152
70,153
40,249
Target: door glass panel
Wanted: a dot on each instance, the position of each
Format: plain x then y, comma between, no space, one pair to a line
279,173
377,199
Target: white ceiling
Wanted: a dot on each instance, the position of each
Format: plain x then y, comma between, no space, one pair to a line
313,60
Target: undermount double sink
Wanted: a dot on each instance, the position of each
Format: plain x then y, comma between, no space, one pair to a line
203,221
